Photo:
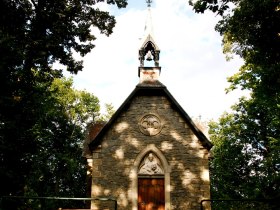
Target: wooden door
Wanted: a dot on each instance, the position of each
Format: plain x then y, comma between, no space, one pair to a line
151,194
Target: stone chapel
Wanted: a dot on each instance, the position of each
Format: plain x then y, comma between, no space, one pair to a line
150,155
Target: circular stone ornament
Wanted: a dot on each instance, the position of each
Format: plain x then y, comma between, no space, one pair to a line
150,125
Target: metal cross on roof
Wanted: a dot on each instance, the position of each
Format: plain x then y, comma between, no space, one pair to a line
149,2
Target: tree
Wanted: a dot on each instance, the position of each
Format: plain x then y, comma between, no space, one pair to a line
250,29
109,113
54,165
35,34
242,168
246,164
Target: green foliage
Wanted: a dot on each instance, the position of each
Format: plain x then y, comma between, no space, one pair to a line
108,114
217,6
35,34
246,153
247,142
80,106
42,118
250,28
41,154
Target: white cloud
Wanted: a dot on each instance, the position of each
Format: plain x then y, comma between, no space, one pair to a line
193,66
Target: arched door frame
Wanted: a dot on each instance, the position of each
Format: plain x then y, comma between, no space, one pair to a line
134,175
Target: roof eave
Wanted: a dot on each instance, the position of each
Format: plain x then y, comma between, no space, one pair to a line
140,89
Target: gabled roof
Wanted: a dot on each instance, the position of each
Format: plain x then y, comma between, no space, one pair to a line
151,88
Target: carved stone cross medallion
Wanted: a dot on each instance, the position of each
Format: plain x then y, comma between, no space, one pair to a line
150,125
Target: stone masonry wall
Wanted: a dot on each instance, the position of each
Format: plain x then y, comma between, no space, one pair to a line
114,159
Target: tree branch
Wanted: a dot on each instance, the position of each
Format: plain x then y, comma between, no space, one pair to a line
33,3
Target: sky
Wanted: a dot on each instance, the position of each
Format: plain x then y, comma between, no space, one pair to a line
193,67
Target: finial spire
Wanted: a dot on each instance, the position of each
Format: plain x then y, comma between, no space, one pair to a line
149,72
149,3
149,50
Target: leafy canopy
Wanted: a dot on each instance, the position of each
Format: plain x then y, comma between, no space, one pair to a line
42,117
43,157
35,34
247,141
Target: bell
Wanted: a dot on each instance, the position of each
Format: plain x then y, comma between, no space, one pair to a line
149,56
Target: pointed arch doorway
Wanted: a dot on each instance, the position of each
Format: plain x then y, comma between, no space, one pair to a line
152,181
151,184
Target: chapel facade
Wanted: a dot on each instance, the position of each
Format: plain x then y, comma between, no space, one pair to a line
150,155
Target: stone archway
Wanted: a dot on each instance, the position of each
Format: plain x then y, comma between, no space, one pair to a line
151,167
151,193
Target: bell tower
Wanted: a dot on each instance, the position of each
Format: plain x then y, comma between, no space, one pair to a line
133,157
148,52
